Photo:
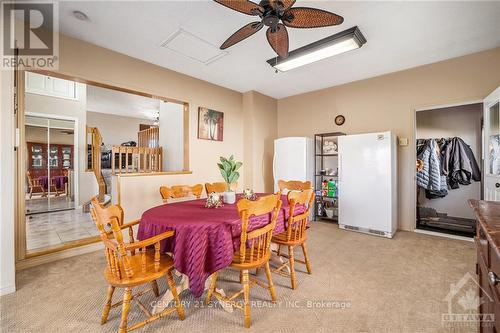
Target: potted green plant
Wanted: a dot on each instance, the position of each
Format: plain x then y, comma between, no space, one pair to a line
229,170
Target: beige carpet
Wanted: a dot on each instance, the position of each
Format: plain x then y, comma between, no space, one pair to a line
396,285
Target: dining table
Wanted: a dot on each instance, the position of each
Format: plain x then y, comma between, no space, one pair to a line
205,239
59,181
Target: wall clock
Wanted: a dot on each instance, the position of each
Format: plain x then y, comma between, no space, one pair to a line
339,120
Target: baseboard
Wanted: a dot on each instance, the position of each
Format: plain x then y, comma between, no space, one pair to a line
368,231
51,257
440,234
7,289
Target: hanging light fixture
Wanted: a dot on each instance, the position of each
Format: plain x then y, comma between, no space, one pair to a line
341,42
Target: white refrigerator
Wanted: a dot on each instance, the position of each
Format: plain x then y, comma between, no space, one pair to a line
368,183
293,160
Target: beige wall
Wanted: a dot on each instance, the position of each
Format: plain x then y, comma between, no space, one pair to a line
115,129
462,121
389,102
171,139
260,114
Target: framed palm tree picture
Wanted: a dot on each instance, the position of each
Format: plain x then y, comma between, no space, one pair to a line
210,124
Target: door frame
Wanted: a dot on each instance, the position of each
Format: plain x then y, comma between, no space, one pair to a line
76,148
490,100
414,162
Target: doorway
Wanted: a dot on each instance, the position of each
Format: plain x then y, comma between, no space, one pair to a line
50,162
449,168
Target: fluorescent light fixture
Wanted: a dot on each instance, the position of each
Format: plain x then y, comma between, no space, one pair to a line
344,41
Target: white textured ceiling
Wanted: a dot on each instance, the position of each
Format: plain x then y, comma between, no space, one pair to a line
123,104
400,35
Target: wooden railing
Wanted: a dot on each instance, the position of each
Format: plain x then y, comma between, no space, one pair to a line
149,137
136,159
95,164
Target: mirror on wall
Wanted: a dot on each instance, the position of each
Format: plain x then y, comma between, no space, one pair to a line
77,137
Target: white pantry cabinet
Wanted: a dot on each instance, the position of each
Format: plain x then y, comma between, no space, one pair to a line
49,86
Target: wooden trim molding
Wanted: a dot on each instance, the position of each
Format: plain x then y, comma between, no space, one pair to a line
68,252
107,86
64,246
20,217
164,173
186,137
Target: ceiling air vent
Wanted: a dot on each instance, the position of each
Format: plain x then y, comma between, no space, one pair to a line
193,47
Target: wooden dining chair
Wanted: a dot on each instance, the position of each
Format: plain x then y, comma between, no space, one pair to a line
294,185
180,191
295,233
33,184
132,264
219,187
254,251
53,185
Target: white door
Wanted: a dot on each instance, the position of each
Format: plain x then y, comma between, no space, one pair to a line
491,146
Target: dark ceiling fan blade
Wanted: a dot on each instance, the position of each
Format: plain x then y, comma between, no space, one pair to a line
242,6
304,17
244,32
282,5
278,39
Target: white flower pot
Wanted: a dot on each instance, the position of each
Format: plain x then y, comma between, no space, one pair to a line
229,197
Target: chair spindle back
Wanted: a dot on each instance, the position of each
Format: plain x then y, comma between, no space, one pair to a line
296,226
114,246
219,187
255,244
180,191
294,185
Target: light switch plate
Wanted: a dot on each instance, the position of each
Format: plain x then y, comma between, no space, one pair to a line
403,141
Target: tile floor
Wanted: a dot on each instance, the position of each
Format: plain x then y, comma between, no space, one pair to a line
39,204
56,228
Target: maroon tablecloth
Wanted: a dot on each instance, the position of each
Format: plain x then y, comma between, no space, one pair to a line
44,181
205,238
59,181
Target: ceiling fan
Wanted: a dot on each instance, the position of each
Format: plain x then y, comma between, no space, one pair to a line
271,13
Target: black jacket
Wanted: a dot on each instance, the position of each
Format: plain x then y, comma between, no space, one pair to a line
458,163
